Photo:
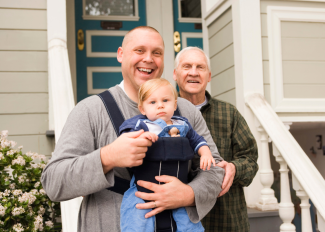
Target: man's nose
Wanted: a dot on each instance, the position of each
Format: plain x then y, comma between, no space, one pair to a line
193,71
148,57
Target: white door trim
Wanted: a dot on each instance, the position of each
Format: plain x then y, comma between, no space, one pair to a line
210,9
186,35
90,33
161,19
91,70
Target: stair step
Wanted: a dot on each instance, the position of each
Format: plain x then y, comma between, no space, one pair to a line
264,221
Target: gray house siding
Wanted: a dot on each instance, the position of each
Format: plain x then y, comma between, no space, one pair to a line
221,53
23,74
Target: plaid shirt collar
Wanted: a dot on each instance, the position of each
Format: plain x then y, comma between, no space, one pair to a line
208,105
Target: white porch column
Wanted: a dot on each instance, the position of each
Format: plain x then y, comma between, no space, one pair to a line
267,200
246,20
60,88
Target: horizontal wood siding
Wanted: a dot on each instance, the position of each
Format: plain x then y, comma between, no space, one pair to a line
227,80
302,72
303,53
221,51
24,124
303,49
21,103
22,19
303,91
20,82
29,61
23,40
35,143
23,74
229,96
23,4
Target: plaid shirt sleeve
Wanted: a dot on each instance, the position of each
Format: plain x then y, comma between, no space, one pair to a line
244,151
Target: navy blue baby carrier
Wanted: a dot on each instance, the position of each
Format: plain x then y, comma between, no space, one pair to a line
167,156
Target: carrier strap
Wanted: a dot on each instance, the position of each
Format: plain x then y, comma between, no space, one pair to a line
113,110
176,112
116,116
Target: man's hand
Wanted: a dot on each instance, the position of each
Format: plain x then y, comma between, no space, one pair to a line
171,195
126,151
230,172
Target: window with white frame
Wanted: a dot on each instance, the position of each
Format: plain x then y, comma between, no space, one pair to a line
110,9
189,10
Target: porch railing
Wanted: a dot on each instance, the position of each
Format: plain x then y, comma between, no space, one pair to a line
307,181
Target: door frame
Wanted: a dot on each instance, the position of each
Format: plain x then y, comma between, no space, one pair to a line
161,20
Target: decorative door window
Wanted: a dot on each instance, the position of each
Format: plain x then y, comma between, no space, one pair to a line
110,10
189,11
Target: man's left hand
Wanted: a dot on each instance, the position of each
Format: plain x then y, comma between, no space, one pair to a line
230,172
171,195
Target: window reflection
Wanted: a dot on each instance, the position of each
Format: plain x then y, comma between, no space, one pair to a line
191,8
109,7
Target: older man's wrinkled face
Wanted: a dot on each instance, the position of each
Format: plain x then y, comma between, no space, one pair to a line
142,57
192,74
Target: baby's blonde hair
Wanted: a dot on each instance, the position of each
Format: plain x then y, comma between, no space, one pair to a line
147,88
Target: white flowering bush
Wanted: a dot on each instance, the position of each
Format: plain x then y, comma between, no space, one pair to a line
24,205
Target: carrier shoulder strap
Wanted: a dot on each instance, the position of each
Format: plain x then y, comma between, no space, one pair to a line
113,110
116,116
177,112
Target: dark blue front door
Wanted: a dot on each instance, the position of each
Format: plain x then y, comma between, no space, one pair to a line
187,21
97,66
98,20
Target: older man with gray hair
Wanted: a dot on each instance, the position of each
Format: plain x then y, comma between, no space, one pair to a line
230,133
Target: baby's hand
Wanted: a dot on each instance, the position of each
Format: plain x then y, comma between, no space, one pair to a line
174,132
206,160
150,136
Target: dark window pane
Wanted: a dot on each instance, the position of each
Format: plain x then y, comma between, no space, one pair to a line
191,8
109,7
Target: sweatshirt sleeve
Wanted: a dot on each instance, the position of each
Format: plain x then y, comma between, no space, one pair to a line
196,141
205,184
75,168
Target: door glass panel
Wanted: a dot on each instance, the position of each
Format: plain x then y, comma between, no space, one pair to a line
191,8
109,7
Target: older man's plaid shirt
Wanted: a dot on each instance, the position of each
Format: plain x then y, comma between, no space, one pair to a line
237,145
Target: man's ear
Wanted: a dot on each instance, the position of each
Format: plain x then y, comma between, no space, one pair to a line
174,75
209,77
141,110
120,54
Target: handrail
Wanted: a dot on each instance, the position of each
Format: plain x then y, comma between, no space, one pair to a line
301,166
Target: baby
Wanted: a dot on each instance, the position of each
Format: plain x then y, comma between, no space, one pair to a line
157,103
158,100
